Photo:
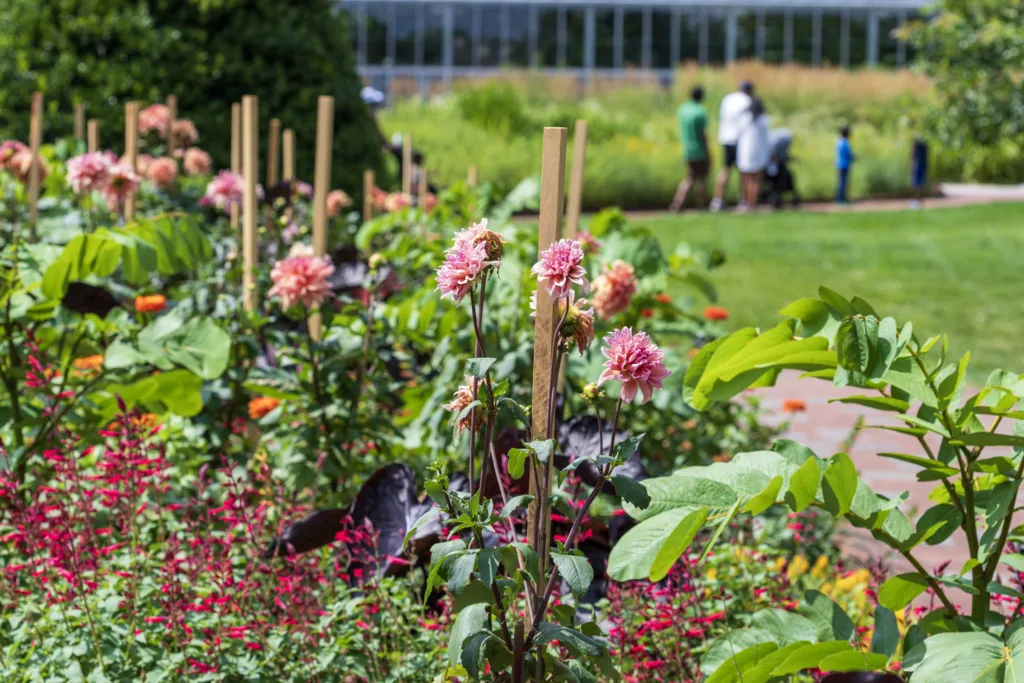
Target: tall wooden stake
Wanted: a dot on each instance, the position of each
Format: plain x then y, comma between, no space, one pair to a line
131,150
80,121
321,185
250,163
422,190
236,153
471,177
407,164
172,104
35,141
288,154
273,152
94,135
552,196
579,160
368,185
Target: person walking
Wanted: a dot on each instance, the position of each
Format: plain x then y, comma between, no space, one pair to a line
918,171
730,118
844,159
693,122
753,151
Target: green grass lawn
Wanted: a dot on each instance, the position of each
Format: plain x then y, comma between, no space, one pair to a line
955,270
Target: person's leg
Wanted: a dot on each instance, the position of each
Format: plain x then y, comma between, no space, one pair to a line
700,189
841,186
681,192
728,161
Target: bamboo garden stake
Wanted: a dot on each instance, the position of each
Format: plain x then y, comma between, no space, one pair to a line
273,152
94,135
407,165
172,105
288,154
236,153
321,184
368,183
79,121
471,177
35,140
579,160
250,163
422,190
552,195
131,151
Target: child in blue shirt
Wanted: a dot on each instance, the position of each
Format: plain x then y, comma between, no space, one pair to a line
844,159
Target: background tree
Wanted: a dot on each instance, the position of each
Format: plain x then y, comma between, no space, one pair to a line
207,52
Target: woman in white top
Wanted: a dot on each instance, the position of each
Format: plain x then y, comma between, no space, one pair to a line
753,151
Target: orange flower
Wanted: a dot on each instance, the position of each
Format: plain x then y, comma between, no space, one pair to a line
151,304
146,420
716,313
646,313
260,406
793,405
663,298
692,353
89,362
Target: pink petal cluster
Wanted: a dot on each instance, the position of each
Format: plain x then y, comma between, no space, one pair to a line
634,360
142,162
88,172
396,201
590,244
121,182
156,118
162,172
614,289
560,267
462,399
20,163
185,133
336,201
463,265
429,202
196,162
303,189
9,148
301,278
579,325
223,191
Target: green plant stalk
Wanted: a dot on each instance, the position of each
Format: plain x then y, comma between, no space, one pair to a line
318,393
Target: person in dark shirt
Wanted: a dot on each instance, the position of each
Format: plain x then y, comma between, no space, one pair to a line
693,122
918,170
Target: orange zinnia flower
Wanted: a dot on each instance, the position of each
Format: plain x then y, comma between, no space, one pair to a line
89,362
663,298
793,405
260,406
716,313
151,304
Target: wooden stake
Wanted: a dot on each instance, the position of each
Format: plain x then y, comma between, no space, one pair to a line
250,163
80,121
35,141
321,185
579,160
407,165
273,152
172,104
422,200
131,150
288,154
236,153
94,135
368,185
552,196
471,177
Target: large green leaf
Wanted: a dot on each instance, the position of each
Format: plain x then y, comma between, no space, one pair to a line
178,392
787,627
886,637
899,591
199,344
676,543
732,670
728,646
842,662
968,657
470,620
803,485
840,484
631,558
810,656
546,632
831,621
576,571
667,493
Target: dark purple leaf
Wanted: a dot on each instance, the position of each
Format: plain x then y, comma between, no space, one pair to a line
83,298
315,531
579,438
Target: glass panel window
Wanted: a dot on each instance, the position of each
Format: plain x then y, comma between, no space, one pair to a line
547,37
462,38
489,20
575,37
888,45
377,15
661,40
604,53
433,35
746,38
716,38
689,37
633,34
831,37
405,34
858,38
518,36
774,37
803,38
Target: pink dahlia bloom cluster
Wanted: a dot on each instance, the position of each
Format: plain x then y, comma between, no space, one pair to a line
88,172
336,201
429,202
162,172
8,149
462,399
16,158
634,360
560,267
121,182
473,251
185,133
156,118
196,162
303,189
301,278
223,191
590,244
614,289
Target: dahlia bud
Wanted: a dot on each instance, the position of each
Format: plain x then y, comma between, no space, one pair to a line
592,393
578,326
377,261
492,242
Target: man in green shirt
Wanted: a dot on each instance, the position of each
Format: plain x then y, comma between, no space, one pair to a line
693,120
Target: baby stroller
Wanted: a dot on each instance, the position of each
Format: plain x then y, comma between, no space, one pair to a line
778,178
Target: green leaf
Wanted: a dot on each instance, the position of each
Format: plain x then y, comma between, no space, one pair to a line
732,669
120,355
876,402
631,558
840,484
625,449
855,342
809,656
461,570
478,648
817,318
900,590
727,646
515,503
546,632
676,544
667,493
631,491
488,560
766,498
469,621
926,463
803,485
542,449
986,439
478,367
199,344
831,621
576,571
937,524
517,462
975,657
787,627
948,387
853,661
886,637
1014,561
837,301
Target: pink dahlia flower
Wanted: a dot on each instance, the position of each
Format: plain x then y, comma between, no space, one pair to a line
8,148
162,171
303,189
560,267
478,233
21,163
396,201
88,172
196,162
223,191
156,118
463,265
185,133
121,182
590,244
336,201
614,289
634,360
301,278
462,399
429,202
